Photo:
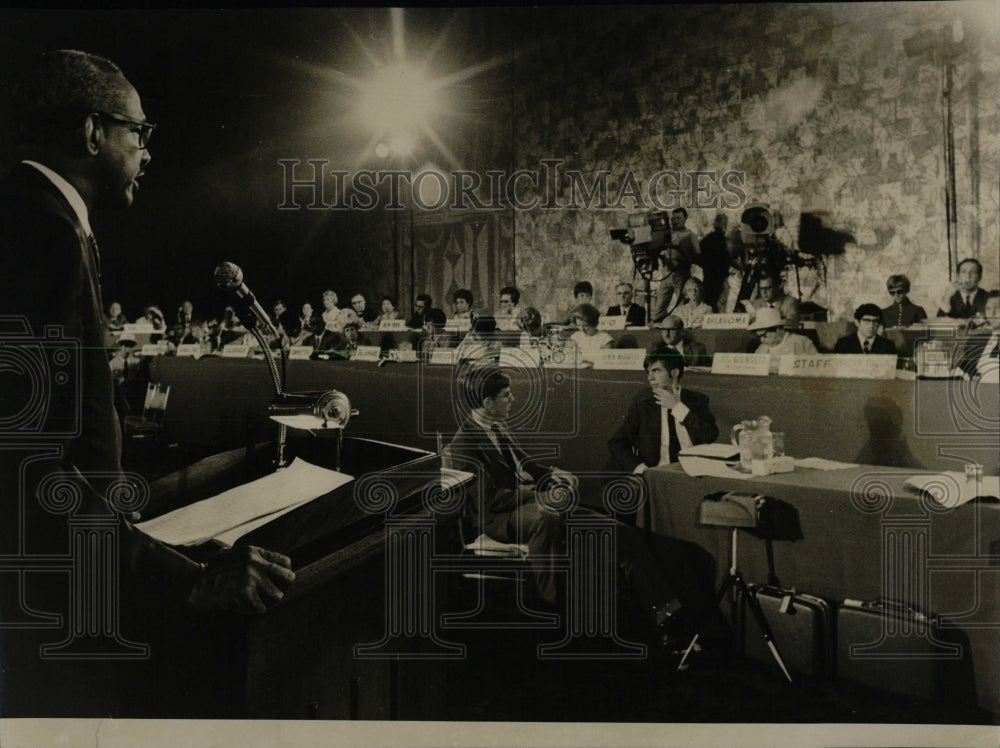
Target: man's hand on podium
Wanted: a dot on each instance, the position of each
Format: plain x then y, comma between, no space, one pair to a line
245,579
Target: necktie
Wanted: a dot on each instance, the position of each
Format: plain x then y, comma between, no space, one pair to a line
867,346
968,305
675,445
506,449
96,253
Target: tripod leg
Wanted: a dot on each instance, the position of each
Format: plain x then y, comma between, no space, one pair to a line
726,586
765,629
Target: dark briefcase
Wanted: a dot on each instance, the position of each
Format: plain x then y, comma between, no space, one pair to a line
893,647
802,627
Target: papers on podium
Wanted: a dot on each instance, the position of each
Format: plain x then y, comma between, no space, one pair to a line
234,513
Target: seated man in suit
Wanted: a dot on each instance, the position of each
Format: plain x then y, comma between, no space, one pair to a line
980,353
517,503
665,408
682,342
635,315
771,295
867,317
964,299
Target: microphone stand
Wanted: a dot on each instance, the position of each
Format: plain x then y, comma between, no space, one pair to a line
277,377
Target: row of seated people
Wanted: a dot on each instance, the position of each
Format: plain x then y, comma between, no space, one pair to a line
963,300
771,335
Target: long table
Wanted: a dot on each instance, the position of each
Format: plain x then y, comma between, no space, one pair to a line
858,533
218,403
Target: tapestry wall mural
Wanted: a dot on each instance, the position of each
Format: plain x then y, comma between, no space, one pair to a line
818,108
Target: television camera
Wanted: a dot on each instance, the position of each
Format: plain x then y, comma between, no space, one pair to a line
646,235
763,254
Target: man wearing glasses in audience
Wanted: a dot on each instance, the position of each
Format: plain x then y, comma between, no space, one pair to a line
868,318
770,295
674,337
635,315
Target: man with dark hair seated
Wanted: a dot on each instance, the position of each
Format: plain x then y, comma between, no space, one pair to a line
663,419
868,318
964,299
518,500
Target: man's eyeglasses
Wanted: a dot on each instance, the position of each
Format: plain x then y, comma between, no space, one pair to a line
897,292
143,129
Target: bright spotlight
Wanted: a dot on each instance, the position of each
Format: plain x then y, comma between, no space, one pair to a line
381,150
398,98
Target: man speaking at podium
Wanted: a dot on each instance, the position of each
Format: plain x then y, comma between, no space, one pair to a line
85,144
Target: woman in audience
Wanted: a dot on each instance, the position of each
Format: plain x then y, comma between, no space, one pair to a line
588,338
902,312
530,323
335,318
309,325
388,310
694,309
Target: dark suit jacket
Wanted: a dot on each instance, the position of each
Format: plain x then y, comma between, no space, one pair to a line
956,305
638,437
636,315
49,275
501,491
695,353
851,344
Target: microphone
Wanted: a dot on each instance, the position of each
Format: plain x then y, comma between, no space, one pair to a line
229,277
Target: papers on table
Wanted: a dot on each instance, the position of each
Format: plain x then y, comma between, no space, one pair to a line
720,451
700,466
952,489
820,463
235,512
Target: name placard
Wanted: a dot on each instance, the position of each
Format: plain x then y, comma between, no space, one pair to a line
520,358
151,349
840,366
627,359
392,325
745,364
367,353
457,325
403,357
725,321
235,350
300,352
611,323
442,357
188,349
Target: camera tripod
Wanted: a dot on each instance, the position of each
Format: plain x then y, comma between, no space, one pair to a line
735,579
